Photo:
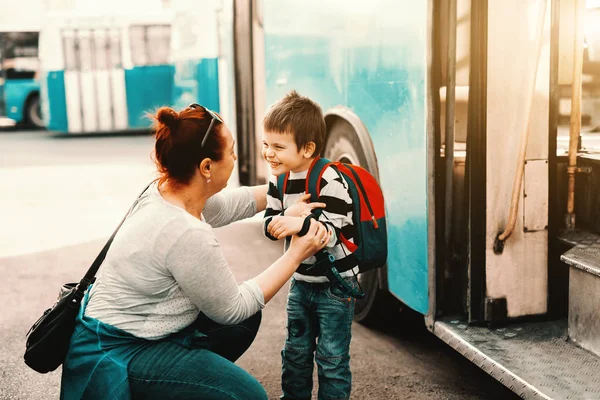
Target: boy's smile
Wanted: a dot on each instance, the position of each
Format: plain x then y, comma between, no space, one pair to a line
282,154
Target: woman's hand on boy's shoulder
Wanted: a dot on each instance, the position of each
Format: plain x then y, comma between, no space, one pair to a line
303,208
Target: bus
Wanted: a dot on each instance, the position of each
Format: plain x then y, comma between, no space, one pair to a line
103,69
19,77
454,106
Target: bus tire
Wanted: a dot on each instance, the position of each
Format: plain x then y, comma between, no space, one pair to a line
33,112
343,145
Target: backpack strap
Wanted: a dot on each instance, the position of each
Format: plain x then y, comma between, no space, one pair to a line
282,181
313,178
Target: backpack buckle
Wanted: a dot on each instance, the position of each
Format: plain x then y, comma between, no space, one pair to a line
333,275
331,272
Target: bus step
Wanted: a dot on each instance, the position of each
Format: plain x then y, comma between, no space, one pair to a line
578,237
534,359
584,295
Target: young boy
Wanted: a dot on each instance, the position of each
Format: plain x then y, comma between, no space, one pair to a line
319,312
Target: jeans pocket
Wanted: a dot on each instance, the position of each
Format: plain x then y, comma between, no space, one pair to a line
338,292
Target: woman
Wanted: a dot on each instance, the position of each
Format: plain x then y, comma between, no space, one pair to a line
166,318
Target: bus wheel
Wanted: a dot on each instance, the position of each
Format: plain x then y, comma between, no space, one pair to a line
343,145
34,112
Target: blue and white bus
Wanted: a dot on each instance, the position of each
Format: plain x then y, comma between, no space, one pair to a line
102,71
454,106
19,76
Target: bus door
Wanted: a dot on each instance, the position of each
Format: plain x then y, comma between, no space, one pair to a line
94,80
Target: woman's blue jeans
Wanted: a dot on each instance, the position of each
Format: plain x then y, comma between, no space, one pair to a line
320,328
198,369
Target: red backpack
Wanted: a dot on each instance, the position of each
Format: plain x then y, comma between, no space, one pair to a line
368,211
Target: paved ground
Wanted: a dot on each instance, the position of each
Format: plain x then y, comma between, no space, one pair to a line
62,198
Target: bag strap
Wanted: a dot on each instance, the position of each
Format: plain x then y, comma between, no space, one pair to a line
90,275
282,181
313,180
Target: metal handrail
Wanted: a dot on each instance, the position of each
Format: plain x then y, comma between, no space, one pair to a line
575,120
518,179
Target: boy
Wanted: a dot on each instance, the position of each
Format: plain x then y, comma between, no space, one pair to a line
294,135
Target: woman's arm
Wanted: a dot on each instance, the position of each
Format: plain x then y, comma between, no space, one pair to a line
197,263
260,196
233,205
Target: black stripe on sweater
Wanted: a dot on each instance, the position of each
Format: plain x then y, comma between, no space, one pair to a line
349,231
269,212
273,192
295,186
336,205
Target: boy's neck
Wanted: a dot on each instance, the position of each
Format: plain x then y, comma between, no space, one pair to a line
305,166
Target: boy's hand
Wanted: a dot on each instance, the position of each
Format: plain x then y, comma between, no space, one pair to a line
303,208
280,227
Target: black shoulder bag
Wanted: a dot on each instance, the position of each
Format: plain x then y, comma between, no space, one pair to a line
49,338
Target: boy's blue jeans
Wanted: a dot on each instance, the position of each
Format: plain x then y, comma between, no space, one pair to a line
319,319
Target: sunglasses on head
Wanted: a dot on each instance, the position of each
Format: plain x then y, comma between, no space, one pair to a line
214,117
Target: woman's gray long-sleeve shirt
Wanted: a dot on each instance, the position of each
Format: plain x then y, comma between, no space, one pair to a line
165,266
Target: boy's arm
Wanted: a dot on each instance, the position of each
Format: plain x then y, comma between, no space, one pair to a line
274,206
338,213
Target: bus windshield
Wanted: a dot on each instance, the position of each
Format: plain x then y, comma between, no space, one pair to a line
19,55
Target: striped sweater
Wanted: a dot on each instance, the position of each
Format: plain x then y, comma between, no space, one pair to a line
337,217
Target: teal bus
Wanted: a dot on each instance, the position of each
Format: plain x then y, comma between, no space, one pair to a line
454,106
103,71
19,78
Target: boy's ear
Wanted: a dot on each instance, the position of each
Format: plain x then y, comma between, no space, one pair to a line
309,149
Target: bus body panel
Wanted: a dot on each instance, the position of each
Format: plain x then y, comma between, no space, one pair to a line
16,93
197,81
55,112
374,64
147,88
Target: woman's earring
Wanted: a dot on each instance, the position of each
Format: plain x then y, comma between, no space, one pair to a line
208,180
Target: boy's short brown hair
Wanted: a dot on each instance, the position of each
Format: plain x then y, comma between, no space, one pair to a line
299,116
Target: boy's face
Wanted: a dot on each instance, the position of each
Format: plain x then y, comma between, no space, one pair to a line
282,154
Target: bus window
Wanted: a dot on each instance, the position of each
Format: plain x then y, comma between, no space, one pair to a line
19,85
115,49
137,36
101,49
85,50
69,50
159,39
150,45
